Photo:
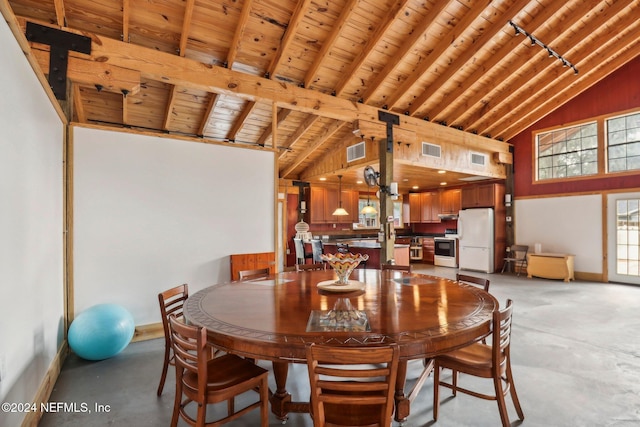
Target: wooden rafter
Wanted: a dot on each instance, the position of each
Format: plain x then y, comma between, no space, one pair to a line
213,99
406,47
329,131
506,101
239,121
342,83
487,67
328,43
184,38
281,116
289,35
627,48
454,33
460,61
61,17
126,17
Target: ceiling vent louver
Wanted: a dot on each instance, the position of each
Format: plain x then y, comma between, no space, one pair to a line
431,150
356,152
478,159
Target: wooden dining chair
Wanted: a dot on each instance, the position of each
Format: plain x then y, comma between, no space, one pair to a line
486,361
478,281
312,267
352,386
258,273
204,380
394,267
171,303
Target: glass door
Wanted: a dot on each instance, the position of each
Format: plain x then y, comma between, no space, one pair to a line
624,237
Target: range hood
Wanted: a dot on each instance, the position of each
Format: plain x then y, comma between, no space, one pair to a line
448,216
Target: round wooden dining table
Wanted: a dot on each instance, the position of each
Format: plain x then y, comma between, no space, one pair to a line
275,318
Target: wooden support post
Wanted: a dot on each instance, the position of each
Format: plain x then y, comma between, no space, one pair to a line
386,176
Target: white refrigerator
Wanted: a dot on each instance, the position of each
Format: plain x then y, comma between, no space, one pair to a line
475,233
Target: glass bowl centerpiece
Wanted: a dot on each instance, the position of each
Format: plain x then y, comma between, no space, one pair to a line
343,264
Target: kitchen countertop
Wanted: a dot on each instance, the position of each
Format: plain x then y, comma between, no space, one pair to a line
368,244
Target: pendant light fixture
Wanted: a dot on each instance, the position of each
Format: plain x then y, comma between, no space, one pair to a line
340,210
368,209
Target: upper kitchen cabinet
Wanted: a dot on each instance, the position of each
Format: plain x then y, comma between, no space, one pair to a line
424,207
450,201
325,200
482,195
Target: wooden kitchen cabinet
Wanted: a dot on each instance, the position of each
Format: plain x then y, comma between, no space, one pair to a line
424,207
325,200
415,207
451,201
482,196
430,206
428,250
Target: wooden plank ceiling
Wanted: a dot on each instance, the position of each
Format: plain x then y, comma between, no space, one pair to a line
454,63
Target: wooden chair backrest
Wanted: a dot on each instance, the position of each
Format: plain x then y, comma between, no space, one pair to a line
171,303
345,379
480,281
306,267
406,268
254,274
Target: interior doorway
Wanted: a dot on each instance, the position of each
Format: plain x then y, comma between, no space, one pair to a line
623,228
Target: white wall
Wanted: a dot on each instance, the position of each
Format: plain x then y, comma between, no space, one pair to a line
151,213
31,228
570,224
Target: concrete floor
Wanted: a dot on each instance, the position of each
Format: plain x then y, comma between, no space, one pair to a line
575,354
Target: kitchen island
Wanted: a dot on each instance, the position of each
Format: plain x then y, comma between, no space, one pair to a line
372,248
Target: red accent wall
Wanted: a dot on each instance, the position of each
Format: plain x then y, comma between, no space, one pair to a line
618,92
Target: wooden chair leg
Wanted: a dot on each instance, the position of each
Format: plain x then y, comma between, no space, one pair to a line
165,368
454,381
436,392
176,403
502,407
264,405
514,394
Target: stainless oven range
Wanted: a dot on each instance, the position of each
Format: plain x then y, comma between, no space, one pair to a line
446,250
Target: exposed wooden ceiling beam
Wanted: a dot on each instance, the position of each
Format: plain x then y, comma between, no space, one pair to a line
213,99
346,76
417,34
168,114
190,73
373,41
455,33
126,17
238,123
282,115
513,98
241,26
111,78
460,61
61,17
327,45
485,69
186,26
329,131
589,77
289,35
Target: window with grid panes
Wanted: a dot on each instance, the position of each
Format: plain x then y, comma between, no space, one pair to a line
567,152
623,142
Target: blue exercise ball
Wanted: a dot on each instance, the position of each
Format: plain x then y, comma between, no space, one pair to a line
101,331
